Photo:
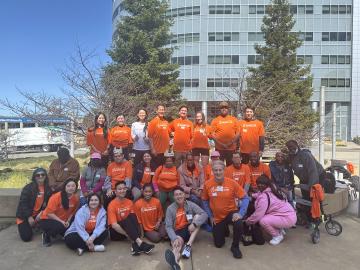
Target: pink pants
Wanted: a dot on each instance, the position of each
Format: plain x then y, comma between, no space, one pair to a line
272,224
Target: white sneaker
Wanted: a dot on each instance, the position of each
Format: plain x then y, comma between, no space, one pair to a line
186,252
276,240
99,248
283,232
80,251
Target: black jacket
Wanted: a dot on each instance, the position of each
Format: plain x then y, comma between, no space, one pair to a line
28,198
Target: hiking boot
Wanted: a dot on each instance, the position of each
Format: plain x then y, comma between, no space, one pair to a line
146,248
170,259
276,240
135,250
186,254
46,239
236,252
79,251
99,248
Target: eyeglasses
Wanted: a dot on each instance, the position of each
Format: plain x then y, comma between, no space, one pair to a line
40,175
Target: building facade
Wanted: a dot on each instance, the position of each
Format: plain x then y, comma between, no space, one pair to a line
214,41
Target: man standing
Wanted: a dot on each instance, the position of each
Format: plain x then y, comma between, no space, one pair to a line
158,133
222,197
257,168
225,133
182,128
252,134
239,172
63,168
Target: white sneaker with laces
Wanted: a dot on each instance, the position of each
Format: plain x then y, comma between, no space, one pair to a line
80,251
186,252
99,248
276,240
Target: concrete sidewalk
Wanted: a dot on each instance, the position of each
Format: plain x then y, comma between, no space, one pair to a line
296,252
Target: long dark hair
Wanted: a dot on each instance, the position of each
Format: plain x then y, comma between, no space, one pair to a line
264,180
146,115
35,184
203,124
64,196
104,127
96,195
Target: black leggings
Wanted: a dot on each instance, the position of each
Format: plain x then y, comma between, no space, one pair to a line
74,241
220,230
52,227
25,231
130,226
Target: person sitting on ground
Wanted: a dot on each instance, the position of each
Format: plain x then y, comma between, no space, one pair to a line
183,221
33,200
257,168
282,175
165,180
123,222
215,155
150,214
192,179
143,172
272,211
92,179
63,168
239,172
88,231
225,203
58,214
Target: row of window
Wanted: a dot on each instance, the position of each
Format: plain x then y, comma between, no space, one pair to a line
226,9
224,36
336,82
189,83
337,9
222,82
184,38
223,59
336,36
185,60
184,11
336,59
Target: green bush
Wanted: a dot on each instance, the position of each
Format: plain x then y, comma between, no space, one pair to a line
356,140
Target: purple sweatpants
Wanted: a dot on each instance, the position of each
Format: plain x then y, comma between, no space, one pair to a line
272,224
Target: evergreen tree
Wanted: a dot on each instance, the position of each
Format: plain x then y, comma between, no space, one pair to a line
280,87
141,70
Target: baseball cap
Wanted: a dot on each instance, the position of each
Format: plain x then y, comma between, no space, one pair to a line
95,155
118,151
215,154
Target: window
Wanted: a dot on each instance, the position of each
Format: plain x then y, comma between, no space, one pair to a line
333,59
325,36
342,36
235,36
212,9
348,9
309,36
334,9
333,36
304,59
187,60
211,36
255,59
336,59
260,9
196,37
336,36
324,59
222,82
13,125
325,82
301,9
347,59
309,9
189,83
348,36
195,60
293,9
255,36
342,9
223,59
252,9
184,11
227,36
333,82
227,9
196,10
326,9
28,125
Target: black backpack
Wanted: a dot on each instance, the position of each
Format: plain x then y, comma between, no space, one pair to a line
329,183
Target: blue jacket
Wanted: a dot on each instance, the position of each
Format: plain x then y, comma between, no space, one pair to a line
81,217
282,175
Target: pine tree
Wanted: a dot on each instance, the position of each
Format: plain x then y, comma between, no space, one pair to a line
141,56
280,87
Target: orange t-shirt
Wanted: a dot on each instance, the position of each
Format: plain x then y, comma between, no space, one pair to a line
146,176
55,207
180,219
97,139
148,213
250,131
183,130
200,137
119,210
255,172
37,206
208,172
158,132
224,130
119,171
241,176
223,197
166,178
91,223
120,136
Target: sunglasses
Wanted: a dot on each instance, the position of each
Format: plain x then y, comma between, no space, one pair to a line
40,175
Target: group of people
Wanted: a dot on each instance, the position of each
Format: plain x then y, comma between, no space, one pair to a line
120,198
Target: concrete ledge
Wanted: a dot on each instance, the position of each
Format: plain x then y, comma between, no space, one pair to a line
9,199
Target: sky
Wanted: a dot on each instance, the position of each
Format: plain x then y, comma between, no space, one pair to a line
37,37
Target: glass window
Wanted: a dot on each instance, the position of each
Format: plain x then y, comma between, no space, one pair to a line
187,82
341,59
333,36
196,37
300,59
251,59
227,59
308,59
325,36
196,10
333,59
188,11
218,82
309,36
342,9
348,9
234,59
210,82
226,82
301,36
342,36
181,38
348,36
348,59
309,9
293,9
236,9
173,60
252,9
13,125
188,37
219,59
301,9
259,36
347,82
260,9
235,36
211,59
326,9
334,9
220,9
195,60
332,82
324,82
228,9
27,125
234,82
341,83
181,61
181,12
252,36
324,59
182,83
211,36
227,36
219,36
212,9
258,59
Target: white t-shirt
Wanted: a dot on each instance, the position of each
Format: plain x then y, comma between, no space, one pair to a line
137,128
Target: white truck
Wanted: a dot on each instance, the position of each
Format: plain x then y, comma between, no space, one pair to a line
45,139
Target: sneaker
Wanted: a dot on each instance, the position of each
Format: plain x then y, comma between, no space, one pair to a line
46,239
145,247
236,252
276,240
135,250
170,259
80,251
283,232
99,248
186,254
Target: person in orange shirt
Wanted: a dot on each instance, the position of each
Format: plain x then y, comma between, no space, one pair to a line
257,168
208,173
252,134
88,231
225,133
33,200
120,170
120,136
182,131
58,214
158,133
222,197
200,140
150,214
123,222
239,172
97,138
166,178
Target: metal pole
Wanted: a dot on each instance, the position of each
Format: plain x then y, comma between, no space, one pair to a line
204,108
333,148
322,125
72,139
